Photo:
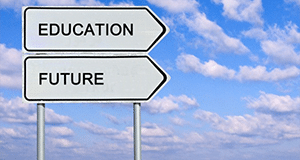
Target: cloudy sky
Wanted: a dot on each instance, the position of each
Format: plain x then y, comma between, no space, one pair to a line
234,90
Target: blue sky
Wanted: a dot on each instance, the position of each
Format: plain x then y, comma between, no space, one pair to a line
233,93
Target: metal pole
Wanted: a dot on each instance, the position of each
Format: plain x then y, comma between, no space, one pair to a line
137,131
41,131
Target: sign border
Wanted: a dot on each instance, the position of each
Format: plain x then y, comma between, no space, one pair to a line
165,79
164,32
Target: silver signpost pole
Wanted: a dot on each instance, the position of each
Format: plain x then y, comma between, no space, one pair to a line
137,131
41,131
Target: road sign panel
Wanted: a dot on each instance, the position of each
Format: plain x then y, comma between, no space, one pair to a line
50,79
91,29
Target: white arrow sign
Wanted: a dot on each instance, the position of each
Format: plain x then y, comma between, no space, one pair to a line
91,29
50,79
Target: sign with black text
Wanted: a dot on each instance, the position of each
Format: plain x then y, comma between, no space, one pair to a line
50,79
91,29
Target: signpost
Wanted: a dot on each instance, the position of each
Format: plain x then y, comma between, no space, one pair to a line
53,79
100,55
91,29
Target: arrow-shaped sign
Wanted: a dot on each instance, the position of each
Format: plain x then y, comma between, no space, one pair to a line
50,79
91,29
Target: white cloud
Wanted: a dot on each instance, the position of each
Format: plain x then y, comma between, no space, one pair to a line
153,130
11,81
147,130
10,67
213,139
289,34
63,143
194,137
110,148
159,138
96,129
212,69
15,111
185,100
17,4
125,135
161,105
190,63
18,132
281,52
260,73
153,135
170,103
280,45
59,131
259,125
256,33
111,133
176,6
275,103
246,10
169,22
89,3
208,116
111,118
56,2
196,21
11,59
129,3
293,1
213,34
178,121
52,117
